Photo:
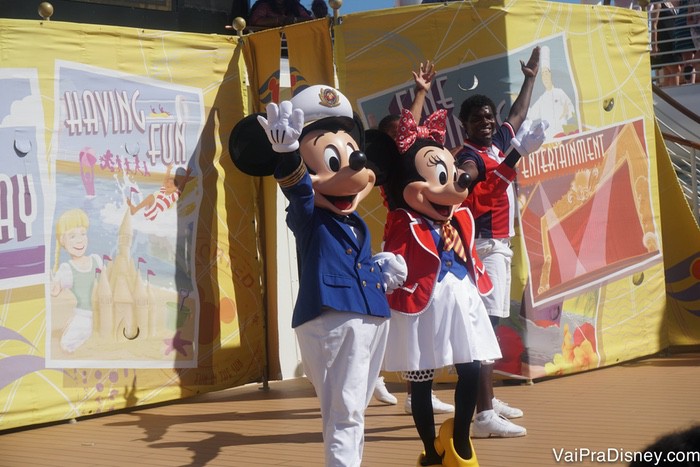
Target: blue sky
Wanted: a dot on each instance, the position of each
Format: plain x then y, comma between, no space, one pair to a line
353,6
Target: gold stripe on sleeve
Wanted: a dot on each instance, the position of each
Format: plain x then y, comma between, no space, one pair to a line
293,178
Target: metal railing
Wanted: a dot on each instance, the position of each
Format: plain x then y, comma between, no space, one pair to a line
674,57
685,157
680,129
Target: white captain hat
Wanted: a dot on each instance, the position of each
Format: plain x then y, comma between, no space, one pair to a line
324,108
321,101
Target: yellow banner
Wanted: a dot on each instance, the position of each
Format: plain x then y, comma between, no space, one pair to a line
588,281
262,52
681,254
308,69
129,267
126,270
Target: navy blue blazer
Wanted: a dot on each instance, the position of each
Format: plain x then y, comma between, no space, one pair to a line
336,271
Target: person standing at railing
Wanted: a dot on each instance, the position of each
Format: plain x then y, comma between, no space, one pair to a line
274,13
693,20
319,8
683,44
663,14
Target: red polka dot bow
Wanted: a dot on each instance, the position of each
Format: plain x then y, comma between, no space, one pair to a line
433,128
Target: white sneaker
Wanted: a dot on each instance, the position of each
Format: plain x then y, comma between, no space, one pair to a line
438,405
382,394
441,407
495,426
506,410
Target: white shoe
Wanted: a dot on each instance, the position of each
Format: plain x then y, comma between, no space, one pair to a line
441,407
438,405
382,394
501,408
495,426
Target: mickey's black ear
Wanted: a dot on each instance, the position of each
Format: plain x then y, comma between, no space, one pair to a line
358,132
250,149
381,152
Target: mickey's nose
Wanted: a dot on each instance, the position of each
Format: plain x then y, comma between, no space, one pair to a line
358,160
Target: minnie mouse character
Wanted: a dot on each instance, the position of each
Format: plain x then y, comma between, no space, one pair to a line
313,145
438,317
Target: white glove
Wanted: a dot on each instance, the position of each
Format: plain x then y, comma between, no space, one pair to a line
529,139
394,270
282,131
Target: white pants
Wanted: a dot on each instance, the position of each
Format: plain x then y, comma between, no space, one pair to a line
497,257
342,355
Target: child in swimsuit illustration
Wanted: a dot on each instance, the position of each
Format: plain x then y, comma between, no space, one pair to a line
164,198
77,274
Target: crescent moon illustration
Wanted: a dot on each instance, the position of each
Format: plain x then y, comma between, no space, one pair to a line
608,104
638,278
132,149
22,147
473,86
131,338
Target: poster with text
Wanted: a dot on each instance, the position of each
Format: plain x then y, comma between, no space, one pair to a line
555,98
22,177
122,292
586,211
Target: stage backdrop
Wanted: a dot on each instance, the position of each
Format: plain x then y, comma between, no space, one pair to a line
132,251
129,271
588,288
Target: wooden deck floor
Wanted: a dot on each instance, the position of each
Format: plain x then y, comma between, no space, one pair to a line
619,408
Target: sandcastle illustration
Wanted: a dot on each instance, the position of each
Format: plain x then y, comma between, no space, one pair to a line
127,306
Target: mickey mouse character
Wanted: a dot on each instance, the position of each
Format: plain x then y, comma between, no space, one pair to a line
313,145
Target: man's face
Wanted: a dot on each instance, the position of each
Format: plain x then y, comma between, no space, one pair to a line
480,126
393,129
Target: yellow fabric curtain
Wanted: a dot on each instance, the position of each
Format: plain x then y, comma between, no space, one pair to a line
306,69
262,53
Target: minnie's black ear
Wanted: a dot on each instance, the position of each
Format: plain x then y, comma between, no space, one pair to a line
250,149
381,152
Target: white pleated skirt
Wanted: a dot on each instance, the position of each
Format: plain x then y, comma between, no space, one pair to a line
454,328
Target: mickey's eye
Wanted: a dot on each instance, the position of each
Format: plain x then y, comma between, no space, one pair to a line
349,149
331,158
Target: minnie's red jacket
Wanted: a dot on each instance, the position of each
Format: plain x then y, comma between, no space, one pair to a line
409,235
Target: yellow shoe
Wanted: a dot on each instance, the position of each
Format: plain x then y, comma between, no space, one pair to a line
445,444
444,435
420,458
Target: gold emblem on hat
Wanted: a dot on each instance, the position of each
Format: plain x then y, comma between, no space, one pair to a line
329,97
